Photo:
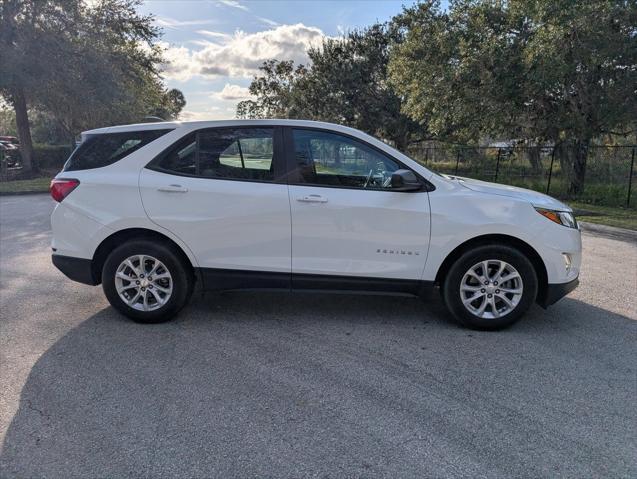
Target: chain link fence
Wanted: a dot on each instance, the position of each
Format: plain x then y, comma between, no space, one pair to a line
608,180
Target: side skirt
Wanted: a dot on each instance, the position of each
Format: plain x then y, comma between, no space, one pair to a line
214,279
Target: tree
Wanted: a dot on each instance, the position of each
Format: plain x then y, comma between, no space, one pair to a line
273,90
88,66
345,83
172,103
558,71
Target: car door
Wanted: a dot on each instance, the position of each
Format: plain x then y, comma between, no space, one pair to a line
219,191
346,219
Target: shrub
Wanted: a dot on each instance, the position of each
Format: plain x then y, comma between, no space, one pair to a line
51,156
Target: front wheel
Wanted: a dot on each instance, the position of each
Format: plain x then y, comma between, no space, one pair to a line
490,287
146,281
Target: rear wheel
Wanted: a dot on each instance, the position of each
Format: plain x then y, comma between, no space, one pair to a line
490,287
146,281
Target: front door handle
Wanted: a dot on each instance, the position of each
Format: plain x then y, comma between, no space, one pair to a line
172,189
312,199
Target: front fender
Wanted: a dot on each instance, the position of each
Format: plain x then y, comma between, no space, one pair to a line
460,215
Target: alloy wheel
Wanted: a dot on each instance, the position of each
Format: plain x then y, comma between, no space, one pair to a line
143,282
491,289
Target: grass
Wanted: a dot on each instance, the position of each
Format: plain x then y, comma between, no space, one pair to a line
606,215
35,185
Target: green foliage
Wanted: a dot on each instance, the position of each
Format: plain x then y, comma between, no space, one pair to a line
51,157
171,105
87,66
560,71
552,70
275,92
34,185
7,122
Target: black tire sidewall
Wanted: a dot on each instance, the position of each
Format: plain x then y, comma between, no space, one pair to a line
451,286
182,280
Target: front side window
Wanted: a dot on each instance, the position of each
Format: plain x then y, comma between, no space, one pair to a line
335,160
223,153
107,148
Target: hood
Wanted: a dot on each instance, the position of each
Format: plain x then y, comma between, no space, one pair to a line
533,197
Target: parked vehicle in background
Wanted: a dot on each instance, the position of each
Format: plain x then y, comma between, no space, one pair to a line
153,211
10,148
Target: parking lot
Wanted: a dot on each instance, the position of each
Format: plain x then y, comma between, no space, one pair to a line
274,384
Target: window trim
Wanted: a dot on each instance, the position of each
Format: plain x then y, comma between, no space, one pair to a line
294,175
278,155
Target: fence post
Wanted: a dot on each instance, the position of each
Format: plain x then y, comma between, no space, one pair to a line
497,165
548,185
457,162
3,167
630,178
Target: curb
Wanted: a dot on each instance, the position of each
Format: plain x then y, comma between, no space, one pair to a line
611,232
21,193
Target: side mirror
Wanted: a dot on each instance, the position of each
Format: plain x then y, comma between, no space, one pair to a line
405,180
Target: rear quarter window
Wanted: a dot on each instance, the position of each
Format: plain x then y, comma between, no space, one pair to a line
107,148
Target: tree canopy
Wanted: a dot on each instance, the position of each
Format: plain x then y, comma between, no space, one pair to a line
87,66
552,70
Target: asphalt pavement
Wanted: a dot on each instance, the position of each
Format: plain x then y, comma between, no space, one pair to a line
298,385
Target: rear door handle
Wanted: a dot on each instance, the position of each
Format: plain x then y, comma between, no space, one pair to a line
312,199
172,189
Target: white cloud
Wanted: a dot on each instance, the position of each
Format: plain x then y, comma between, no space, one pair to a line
241,54
207,113
267,21
179,65
174,24
217,35
232,92
233,4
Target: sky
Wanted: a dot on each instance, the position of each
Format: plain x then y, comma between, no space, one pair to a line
214,47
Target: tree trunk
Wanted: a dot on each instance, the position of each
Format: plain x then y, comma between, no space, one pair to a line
580,155
572,155
534,158
401,142
24,130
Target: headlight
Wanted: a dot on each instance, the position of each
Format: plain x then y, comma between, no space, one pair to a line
564,218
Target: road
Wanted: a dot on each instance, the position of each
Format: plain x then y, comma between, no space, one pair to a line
280,385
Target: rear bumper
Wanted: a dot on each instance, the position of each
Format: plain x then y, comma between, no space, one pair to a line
77,269
555,292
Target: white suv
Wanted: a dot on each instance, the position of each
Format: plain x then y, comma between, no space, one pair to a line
153,211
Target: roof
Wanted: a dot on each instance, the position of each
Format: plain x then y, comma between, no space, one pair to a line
215,123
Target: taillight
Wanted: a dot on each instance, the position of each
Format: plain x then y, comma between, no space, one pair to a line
60,188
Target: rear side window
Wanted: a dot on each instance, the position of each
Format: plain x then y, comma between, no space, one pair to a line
242,154
182,157
105,149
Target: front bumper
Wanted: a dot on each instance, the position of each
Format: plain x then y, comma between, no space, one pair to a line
77,269
555,292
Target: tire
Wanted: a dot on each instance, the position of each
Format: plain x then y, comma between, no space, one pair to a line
464,281
165,295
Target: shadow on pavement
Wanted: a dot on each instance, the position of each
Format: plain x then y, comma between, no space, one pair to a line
291,385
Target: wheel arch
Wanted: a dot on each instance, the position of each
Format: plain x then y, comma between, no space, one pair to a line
111,242
499,239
